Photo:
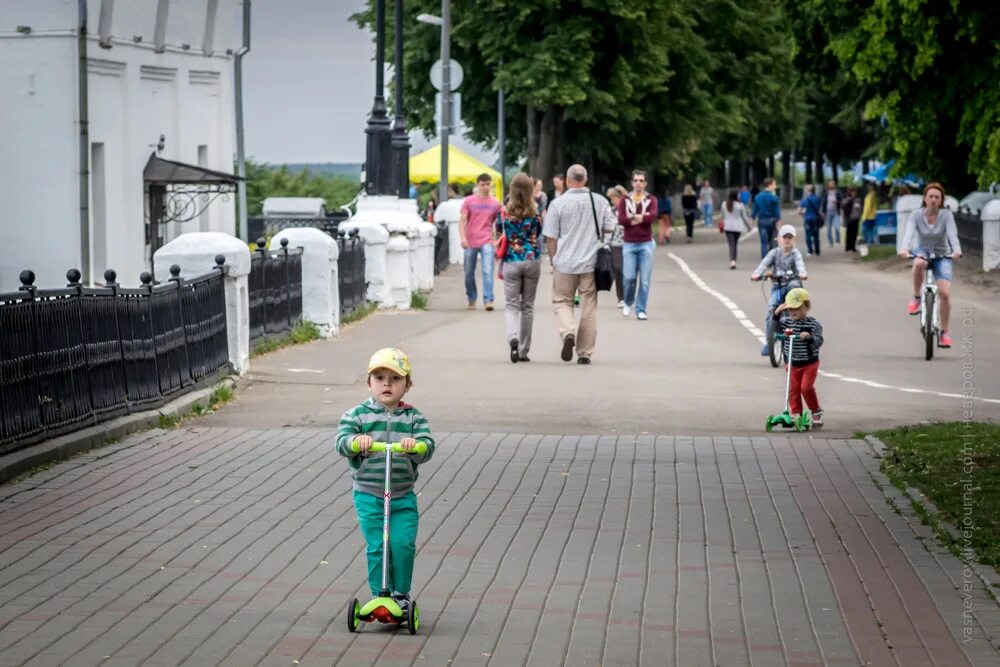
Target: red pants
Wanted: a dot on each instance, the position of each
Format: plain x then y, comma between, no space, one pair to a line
803,386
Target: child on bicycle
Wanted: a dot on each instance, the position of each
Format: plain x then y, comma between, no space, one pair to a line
932,240
786,267
794,319
386,418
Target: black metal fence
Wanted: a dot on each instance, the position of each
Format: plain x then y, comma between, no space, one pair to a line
267,226
351,271
441,248
75,356
274,290
970,232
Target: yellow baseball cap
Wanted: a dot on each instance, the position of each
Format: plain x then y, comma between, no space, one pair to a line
392,359
796,297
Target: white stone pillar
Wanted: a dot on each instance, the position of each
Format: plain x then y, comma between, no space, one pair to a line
990,216
398,271
195,253
425,256
372,213
320,284
407,222
449,212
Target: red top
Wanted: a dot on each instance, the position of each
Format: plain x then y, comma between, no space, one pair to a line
627,207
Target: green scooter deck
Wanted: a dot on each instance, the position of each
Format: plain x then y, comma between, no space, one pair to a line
389,603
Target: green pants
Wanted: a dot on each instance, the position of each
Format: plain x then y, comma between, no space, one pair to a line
402,539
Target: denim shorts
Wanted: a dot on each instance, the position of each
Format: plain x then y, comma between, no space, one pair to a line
940,266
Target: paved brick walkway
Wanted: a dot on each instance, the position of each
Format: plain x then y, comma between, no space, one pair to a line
239,547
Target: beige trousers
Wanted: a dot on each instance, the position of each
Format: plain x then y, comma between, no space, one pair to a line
564,288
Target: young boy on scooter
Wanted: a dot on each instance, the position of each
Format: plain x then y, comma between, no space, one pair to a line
794,319
783,261
386,418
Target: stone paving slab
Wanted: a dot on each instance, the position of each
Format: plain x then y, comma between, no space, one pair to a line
229,546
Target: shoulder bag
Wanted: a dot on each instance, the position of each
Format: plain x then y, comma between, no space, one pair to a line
603,273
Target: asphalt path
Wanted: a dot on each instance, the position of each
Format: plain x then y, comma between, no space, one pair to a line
693,368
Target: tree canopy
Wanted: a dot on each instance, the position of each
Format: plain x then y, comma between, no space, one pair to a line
679,86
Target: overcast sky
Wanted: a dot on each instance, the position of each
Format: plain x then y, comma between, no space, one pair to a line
309,81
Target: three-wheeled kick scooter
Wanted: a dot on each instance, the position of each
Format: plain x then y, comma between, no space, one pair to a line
785,419
383,607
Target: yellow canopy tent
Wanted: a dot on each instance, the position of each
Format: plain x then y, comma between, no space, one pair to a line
462,168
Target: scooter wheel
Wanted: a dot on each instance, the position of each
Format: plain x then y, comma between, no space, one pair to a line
412,618
352,615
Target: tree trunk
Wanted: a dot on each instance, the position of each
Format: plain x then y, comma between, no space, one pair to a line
531,120
548,159
808,169
836,173
865,165
770,165
818,158
787,177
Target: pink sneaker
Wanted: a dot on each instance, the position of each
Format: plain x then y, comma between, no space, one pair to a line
944,340
913,307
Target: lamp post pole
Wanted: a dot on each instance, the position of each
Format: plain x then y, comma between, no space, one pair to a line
502,139
445,128
400,140
377,164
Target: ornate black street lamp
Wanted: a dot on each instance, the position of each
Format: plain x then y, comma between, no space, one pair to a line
378,164
400,138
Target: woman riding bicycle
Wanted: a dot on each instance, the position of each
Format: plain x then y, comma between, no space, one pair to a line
932,238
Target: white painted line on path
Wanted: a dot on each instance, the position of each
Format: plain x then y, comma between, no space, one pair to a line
761,338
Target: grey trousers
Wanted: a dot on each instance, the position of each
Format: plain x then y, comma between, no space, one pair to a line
520,282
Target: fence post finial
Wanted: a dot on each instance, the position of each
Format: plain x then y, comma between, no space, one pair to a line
110,278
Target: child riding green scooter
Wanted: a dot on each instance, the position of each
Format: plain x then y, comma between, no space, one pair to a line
363,430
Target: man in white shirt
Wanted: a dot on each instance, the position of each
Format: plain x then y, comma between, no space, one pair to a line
572,239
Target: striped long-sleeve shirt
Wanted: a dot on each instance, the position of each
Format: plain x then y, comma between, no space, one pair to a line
806,351
383,425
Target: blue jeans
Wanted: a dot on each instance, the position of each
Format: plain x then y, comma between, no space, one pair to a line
868,232
812,236
766,231
489,256
707,210
637,259
833,228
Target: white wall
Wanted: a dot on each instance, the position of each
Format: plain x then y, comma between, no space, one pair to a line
136,93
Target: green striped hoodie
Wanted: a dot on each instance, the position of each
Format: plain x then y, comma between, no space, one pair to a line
383,425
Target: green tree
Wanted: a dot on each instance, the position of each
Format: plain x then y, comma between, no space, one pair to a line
265,181
930,71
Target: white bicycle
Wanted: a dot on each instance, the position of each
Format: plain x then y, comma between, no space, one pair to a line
930,314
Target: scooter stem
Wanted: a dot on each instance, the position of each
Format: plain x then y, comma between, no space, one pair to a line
387,507
788,377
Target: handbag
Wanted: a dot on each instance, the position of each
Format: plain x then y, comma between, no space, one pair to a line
604,274
501,247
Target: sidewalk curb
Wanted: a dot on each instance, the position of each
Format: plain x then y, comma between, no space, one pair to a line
65,446
986,574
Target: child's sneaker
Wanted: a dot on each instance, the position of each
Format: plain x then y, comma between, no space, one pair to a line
402,600
818,419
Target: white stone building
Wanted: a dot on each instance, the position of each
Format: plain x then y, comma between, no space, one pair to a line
72,192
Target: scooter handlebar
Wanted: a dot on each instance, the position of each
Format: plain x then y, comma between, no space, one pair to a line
420,448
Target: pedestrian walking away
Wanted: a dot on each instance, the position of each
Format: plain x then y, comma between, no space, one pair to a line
869,234
831,212
795,320
574,228
384,417
706,200
735,221
851,215
541,199
636,214
931,239
616,243
519,234
689,203
664,217
809,207
786,264
766,211
475,228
